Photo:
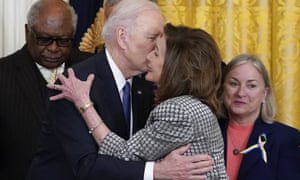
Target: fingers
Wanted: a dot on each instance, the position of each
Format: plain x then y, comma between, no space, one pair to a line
90,78
56,97
202,168
71,73
201,157
54,86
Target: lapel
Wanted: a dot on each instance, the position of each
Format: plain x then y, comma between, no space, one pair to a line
106,96
31,83
142,101
253,160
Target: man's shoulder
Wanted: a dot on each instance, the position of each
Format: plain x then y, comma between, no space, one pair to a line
18,57
13,56
285,131
77,56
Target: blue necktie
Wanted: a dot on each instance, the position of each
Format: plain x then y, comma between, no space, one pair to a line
126,104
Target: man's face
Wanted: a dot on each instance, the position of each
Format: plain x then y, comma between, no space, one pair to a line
142,39
50,39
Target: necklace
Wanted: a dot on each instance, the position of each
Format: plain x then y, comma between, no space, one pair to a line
238,137
235,151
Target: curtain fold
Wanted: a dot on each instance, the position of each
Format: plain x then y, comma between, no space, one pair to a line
267,28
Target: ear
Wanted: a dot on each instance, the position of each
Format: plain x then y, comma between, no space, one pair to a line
122,37
266,94
27,32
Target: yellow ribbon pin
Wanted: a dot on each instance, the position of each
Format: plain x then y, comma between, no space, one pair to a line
262,140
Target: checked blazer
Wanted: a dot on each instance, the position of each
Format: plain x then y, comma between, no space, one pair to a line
173,123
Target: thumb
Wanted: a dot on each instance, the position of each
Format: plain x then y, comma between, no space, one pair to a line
182,149
90,77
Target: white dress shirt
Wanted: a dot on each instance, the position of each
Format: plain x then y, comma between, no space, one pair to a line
120,81
50,75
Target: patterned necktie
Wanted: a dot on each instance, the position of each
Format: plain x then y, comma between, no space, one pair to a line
53,76
126,104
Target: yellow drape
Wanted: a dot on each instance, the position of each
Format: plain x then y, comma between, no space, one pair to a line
267,28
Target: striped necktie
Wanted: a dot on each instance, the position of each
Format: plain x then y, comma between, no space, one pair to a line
126,105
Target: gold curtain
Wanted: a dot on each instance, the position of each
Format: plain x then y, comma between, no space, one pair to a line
267,28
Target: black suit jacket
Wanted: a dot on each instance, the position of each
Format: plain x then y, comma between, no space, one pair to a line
68,151
23,99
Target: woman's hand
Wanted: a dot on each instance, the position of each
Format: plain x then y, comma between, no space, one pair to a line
73,89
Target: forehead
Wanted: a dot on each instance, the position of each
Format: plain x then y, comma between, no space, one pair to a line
150,21
54,21
245,72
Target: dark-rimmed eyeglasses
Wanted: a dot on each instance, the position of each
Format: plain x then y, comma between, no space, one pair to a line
46,41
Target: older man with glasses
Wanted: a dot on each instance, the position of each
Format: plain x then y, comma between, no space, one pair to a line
23,78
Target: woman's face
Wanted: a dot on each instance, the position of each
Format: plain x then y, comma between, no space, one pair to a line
155,60
244,91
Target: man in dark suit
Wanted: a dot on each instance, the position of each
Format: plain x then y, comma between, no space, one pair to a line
23,79
67,149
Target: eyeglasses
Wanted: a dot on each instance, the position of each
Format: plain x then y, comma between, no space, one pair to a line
46,41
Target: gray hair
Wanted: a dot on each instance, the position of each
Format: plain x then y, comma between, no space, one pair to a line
38,6
124,14
268,109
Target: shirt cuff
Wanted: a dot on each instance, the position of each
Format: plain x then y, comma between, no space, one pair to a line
148,174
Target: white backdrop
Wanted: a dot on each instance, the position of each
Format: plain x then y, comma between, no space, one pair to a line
12,24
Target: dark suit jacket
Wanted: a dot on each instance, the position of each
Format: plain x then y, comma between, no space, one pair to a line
283,153
23,99
68,149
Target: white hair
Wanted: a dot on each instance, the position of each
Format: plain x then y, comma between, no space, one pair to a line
125,14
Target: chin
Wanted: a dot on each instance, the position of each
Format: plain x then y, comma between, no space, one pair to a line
150,78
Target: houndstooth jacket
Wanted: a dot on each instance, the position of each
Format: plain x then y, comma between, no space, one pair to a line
175,122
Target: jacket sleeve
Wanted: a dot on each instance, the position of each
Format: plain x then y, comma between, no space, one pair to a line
81,150
168,127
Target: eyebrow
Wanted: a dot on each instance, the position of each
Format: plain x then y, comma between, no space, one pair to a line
249,80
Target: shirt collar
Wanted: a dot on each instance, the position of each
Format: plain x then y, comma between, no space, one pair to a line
118,75
47,72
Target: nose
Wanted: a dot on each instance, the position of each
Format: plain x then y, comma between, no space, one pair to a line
241,91
53,46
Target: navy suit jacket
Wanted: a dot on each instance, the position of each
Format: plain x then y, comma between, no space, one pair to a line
68,151
23,101
283,152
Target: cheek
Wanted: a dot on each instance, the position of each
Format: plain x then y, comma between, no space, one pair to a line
66,51
147,46
35,51
226,100
227,96
256,98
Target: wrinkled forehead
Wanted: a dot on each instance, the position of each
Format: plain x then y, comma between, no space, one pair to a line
150,20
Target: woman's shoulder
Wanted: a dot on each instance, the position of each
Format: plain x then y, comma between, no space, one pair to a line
187,104
186,101
286,132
